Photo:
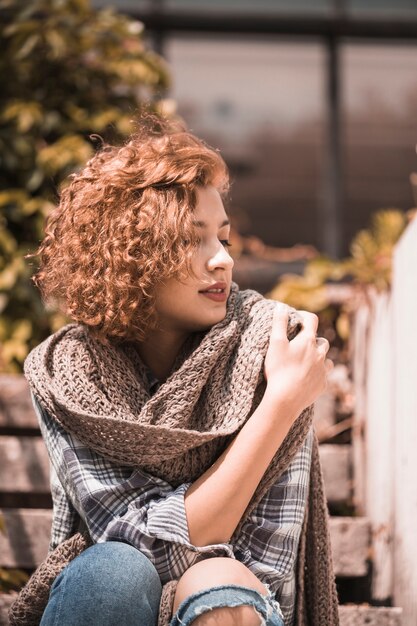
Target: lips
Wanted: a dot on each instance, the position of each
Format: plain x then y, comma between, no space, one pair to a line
219,287
216,292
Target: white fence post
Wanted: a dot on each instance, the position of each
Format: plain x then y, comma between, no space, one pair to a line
380,428
384,364
404,296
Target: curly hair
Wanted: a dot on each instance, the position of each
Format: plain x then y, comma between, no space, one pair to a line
123,225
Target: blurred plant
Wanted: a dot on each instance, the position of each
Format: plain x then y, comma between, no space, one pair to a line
73,71
370,263
10,579
372,250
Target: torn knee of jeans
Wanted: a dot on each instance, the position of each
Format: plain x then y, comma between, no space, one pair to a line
204,608
199,610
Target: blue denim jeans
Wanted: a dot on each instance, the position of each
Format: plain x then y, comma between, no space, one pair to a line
228,596
113,584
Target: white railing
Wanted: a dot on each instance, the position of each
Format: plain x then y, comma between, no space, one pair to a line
384,358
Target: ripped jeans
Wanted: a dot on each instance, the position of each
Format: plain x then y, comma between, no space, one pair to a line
113,584
228,595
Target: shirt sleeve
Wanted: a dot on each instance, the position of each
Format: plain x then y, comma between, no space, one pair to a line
65,519
121,504
269,538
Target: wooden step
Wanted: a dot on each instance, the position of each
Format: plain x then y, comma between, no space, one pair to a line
16,410
26,467
28,530
350,537
349,615
336,466
361,615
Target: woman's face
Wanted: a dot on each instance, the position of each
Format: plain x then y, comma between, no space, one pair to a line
186,306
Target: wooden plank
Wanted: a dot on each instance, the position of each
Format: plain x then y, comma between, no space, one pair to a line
349,615
350,537
358,615
16,410
6,600
28,537
404,377
324,414
25,465
336,465
380,435
359,343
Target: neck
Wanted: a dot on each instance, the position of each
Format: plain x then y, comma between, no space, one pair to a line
159,350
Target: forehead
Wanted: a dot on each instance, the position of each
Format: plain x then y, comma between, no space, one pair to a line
209,208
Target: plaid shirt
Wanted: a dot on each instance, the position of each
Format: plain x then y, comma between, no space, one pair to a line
127,504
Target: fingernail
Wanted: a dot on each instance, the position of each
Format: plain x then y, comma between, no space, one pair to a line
281,308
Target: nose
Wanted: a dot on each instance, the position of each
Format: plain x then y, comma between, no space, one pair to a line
220,258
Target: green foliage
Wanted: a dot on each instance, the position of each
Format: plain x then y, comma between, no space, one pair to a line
73,71
10,579
308,292
370,263
372,250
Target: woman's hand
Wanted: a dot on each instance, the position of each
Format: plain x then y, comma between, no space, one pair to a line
296,374
296,371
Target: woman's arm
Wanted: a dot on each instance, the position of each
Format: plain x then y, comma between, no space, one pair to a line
120,504
296,375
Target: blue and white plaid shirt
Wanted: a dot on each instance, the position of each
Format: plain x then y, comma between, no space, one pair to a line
127,504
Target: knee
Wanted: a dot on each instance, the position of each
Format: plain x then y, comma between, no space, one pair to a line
116,563
229,616
214,572
131,577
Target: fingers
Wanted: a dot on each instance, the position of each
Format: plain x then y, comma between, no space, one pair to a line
279,322
329,365
310,323
322,345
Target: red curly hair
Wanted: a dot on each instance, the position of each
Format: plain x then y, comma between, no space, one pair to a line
123,225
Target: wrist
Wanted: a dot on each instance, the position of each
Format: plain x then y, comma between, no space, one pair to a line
285,403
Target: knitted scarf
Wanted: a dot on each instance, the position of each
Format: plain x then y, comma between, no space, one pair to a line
100,394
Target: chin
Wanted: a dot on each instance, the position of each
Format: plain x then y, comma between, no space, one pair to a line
207,324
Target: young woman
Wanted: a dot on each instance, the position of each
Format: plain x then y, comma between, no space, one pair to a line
175,409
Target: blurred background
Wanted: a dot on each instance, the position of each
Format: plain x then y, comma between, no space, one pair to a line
313,105
312,102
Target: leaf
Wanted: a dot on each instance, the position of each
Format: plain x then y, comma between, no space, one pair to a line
11,273
22,330
14,349
28,47
12,579
66,153
343,326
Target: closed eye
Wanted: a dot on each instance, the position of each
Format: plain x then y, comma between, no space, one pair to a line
225,243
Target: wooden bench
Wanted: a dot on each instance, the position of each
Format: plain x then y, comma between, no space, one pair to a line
25,502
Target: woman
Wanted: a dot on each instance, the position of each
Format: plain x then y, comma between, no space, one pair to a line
176,412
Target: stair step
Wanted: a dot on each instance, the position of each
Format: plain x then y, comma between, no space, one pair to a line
361,615
28,531
351,539
336,465
350,615
16,410
26,467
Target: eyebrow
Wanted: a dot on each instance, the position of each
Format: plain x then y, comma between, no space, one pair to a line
202,224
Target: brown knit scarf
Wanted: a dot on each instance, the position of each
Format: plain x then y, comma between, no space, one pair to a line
100,394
